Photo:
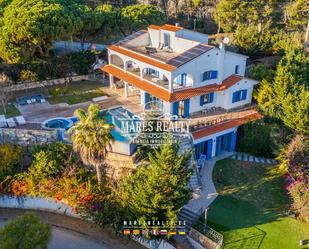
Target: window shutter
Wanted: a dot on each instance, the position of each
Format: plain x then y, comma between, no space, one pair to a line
209,149
204,76
175,108
211,97
234,99
214,74
186,108
146,100
202,100
244,94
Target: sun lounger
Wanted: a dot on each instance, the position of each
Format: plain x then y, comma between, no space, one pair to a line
3,121
11,122
20,120
98,99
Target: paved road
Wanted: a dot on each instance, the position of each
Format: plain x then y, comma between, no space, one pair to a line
66,239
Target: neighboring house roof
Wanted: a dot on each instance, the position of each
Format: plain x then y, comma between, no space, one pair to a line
163,93
142,58
225,125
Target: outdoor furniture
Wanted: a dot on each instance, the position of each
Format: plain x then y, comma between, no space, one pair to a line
43,100
3,121
20,120
11,122
101,98
33,100
28,101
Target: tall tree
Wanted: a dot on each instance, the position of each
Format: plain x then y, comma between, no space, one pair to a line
139,16
26,231
158,190
295,14
287,98
38,24
5,93
91,137
231,14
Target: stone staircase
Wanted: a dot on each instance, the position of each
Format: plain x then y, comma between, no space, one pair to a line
189,216
185,147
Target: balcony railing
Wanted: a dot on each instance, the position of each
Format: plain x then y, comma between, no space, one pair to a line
154,79
202,119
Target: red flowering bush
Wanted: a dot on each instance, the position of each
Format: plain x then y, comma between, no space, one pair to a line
295,159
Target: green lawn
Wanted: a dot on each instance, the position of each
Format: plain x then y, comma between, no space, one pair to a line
78,92
11,111
250,210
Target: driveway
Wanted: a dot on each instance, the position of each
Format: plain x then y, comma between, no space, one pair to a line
66,239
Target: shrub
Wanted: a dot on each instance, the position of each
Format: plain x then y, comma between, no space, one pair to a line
82,61
260,72
294,159
28,75
300,196
55,92
255,138
50,160
11,158
26,231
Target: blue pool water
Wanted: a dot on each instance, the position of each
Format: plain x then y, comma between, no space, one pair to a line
112,116
58,123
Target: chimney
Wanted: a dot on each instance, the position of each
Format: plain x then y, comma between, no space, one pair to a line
177,24
220,62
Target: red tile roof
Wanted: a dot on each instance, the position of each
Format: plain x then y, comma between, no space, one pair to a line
226,125
154,27
163,93
154,90
142,58
197,91
172,28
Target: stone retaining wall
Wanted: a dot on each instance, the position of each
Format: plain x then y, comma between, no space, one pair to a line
52,82
120,165
203,240
27,137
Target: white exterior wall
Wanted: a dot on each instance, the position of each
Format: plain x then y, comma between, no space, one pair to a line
154,37
196,68
140,64
230,61
214,137
192,35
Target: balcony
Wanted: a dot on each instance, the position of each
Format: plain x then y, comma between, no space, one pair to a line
156,80
207,118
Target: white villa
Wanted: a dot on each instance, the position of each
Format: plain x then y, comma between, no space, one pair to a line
192,79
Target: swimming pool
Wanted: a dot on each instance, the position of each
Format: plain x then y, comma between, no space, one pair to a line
57,123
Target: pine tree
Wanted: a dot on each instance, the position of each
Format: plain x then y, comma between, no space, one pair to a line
158,191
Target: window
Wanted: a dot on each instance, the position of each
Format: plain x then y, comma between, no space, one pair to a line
206,99
237,69
239,95
167,40
210,75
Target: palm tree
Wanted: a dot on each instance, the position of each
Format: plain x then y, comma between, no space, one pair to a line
91,138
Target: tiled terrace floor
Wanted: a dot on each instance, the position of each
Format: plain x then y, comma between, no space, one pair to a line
39,112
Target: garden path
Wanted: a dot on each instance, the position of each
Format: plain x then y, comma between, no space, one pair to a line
240,156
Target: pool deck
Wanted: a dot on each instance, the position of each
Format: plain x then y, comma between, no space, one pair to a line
39,112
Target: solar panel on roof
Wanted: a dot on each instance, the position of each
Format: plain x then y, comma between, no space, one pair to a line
133,36
189,55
